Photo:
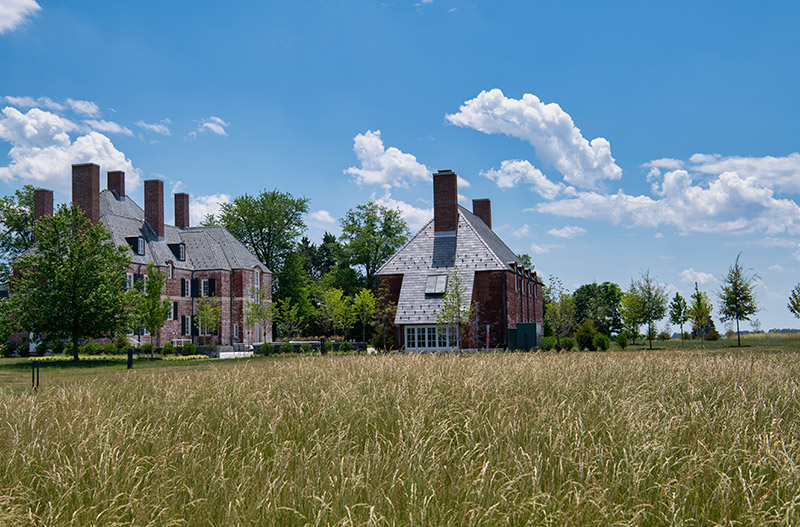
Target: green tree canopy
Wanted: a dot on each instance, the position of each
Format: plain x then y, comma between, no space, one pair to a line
679,312
599,303
364,306
16,235
209,315
561,312
71,285
371,233
653,302
151,310
737,296
794,301
632,311
700,309
268,224
457,309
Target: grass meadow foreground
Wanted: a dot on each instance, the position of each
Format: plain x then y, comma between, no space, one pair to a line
635,438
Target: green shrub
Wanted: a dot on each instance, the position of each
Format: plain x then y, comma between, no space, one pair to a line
567,344
346,347
68,349
548,343
585,335
328,345
305,347
601,342
622,340
168,349
110,349
380,334
91,348
267,348
120,341
190,348
7,350
664,335
125,349
712,334
58,347
41,348
175,358
287,347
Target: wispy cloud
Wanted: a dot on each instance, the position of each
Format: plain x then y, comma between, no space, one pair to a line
108,126
212,124
568,231
159,128
87,108
14,13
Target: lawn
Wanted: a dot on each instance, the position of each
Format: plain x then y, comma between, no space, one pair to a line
666,437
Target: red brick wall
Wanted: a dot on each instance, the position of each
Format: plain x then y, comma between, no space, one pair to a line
154,205
392,285
86,190
182,210
115,180
445,201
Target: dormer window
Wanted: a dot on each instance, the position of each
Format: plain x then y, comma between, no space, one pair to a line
179,250
137,244
437,284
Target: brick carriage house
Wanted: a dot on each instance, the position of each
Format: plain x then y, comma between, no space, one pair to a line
506,295
198,261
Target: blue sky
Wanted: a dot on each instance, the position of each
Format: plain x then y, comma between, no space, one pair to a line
611,137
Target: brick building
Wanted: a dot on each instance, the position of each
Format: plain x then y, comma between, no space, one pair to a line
506,294
198,261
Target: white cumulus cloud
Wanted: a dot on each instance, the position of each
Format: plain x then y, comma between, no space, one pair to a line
728,204
211,124
691,276
13,13
387,167
568,231
321,216
42,150
416,217
513,172
202,206
779,173
548,128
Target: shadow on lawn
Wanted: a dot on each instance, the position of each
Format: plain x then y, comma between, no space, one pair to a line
70,364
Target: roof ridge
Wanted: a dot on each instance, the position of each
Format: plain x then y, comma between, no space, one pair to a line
398,251
478,235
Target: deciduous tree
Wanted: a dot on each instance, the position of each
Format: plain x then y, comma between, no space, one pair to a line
679,312
457,309
16,235
700,309
737,296
71,285
794,301
364,306
209,314
371,233
151,310
561,313
653,302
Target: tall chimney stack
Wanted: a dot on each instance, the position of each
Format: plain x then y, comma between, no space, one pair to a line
154,205
86,190
116,182
482,208
42,203
445,201
182,210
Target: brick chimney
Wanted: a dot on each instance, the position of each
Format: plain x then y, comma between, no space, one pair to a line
182,210
482,208
86,189
116,183
154,205
42,203
445,201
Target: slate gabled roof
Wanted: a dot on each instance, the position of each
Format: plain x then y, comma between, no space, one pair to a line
475,247
207,248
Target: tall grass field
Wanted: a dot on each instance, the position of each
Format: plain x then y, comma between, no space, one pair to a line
633,438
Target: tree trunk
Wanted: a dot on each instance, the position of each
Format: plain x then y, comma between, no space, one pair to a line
75,347
738,337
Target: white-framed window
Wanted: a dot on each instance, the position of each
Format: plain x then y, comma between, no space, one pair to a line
430,337
205,330
256,285
169,271
128,280
140,245
181,252
172,309
236,331
436,284
205,288
187,326
187,287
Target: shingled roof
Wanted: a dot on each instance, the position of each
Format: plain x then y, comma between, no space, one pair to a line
207,248
473,247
